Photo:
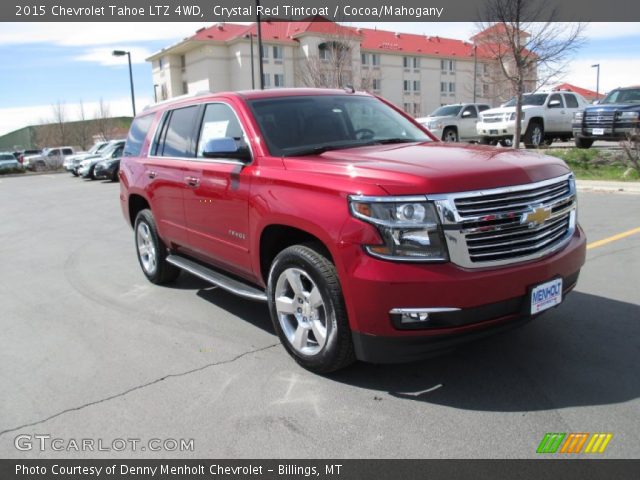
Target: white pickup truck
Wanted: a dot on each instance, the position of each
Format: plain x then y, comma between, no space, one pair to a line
546,116
453,123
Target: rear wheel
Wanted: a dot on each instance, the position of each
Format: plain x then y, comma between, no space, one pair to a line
534,135
582,142
307,309
151,250
506,142
114,177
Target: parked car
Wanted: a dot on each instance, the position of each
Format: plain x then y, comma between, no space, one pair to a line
72,163
107,169
49,157
453,123
87,166
546,116
613,119
367,238
26,153
8,162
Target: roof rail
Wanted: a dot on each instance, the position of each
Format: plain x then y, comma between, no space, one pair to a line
178,98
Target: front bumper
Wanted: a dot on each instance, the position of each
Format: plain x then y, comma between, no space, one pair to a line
487,299
104,171
496,130
612,134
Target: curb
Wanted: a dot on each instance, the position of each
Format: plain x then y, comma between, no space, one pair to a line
629,188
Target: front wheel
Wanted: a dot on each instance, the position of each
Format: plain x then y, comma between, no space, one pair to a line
151,250
450,135
583,142
307,309
534,135
115,177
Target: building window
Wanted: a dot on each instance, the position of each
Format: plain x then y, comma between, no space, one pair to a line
485,69
183,62
485,90
448,65
416,109
406,62
160,63
452,87
185,88
375,60
278,54
443,87
163,91
364,58
406,85
278,80
377,85
265,52
266,80
416,86
406,107
416,62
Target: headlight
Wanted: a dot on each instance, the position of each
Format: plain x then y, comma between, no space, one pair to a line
409,227
435,126
577,116
512,117
628,115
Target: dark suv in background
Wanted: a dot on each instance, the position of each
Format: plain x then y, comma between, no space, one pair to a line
615,118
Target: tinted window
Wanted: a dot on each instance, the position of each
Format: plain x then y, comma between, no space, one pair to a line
554,97
67,151
627,95
531,99
176,138
219,121
570,100
448,111
482,108
137,134
472,112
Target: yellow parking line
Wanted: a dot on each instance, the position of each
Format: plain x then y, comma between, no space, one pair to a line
619,236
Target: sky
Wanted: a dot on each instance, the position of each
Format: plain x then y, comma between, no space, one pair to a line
71,63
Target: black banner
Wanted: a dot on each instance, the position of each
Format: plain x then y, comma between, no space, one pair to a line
334,10
328,469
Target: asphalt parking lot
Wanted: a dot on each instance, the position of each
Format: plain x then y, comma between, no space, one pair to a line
90,349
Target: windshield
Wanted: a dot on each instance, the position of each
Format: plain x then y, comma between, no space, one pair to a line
627,95
7,156
106,152
303,125
449,111
531,99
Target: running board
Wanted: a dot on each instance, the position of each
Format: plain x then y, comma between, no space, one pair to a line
232,285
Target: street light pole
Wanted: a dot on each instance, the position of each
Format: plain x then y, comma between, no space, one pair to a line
475,71
260,45
597,67
253,75
121,53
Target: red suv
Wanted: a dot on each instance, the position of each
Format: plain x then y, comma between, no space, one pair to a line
368,238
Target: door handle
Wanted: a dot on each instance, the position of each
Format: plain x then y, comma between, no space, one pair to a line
192,181
151,174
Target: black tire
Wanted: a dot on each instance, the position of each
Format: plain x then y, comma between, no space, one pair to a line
533,137
450,134
582,142
487,141
74,173
315,272
92,173
115,177
163,272
506,142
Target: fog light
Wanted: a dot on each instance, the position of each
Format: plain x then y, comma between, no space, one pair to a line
414,317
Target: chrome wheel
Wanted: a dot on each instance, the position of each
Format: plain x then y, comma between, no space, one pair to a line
536,135
301,311
450,136
146,248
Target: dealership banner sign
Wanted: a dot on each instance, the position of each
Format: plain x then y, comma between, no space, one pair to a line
333,10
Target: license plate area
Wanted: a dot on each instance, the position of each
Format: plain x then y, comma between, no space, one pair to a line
546,295
598,131
493,132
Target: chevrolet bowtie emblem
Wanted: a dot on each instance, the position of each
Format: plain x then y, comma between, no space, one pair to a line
537,216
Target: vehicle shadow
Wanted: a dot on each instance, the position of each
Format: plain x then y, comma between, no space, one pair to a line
583,353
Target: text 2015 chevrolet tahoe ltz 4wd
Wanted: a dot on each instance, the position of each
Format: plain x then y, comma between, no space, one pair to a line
368,238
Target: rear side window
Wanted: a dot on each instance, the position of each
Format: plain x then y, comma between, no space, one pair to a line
137,134
67,151
482,108
176,137
571,100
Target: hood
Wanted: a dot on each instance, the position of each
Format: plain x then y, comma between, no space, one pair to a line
620,107
509,109
439,117
432,167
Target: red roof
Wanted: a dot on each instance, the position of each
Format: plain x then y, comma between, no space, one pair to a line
496,30
589,94
370,39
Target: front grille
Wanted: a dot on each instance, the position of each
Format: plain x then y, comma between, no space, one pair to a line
493,118
503,226
598,119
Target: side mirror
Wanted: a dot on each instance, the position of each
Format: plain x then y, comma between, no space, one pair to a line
466,114
596,102
554,104
226,147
